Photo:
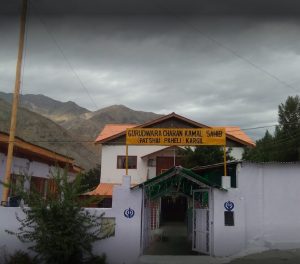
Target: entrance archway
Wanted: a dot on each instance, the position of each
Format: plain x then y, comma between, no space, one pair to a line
174,219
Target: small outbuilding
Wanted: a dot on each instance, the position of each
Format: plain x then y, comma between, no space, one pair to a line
34,161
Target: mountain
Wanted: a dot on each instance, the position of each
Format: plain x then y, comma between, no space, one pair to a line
115,114
55,110
41,131
44,120
78,121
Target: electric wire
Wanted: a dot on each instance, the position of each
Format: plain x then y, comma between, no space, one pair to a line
233,130
220,44
64,56
208,37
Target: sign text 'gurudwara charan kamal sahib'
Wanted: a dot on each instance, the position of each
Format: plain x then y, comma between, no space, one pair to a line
176,136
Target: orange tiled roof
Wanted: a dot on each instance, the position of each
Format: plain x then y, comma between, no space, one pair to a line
103,189
113,129
239,134
23,148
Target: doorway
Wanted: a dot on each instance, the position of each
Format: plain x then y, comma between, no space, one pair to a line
165,163
173,237
173,209
180,203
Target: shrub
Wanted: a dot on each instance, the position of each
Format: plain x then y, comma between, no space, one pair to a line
58,227
19,257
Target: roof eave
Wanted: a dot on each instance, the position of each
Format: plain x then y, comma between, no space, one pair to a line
158,120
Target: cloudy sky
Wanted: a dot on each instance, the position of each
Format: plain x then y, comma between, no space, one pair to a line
217,62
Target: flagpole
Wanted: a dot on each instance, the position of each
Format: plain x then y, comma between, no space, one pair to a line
15,103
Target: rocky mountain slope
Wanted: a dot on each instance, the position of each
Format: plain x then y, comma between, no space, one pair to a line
57,111
72,123
42,131
77,120
95,121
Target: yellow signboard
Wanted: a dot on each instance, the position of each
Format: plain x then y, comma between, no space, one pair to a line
176,136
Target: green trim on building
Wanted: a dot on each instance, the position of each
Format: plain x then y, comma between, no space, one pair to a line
178,180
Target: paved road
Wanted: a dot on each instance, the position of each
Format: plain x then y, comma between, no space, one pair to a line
267,257
271,257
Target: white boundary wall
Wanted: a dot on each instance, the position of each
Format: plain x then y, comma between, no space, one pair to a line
267,213
123,248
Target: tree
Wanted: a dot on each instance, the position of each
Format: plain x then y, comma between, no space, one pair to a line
289,115
288,130
203,155
58,227
263,150
91,178
284,146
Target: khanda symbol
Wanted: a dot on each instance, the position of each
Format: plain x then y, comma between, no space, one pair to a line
129,213
229,206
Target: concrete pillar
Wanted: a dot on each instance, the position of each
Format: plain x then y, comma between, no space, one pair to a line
226,182
126,181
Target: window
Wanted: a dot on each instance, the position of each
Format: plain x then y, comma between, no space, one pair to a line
51,187
151,163
107,228
121,162
105,203
38,184
17,182
229,218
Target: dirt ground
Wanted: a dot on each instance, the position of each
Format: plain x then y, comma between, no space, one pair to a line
271,257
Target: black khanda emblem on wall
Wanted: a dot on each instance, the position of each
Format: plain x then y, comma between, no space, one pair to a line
129,213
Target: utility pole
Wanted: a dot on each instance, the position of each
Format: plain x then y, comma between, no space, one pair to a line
15,103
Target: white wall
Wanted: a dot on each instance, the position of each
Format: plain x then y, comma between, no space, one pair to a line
237,153
272,197
151,172
123,248
228,240
109,171
266,209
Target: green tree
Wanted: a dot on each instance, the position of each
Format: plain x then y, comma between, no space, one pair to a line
58,228
263,150
287,133
203,155
91,178
284,146
289,116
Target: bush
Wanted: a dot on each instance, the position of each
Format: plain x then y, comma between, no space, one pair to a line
60,230
97,260
19,257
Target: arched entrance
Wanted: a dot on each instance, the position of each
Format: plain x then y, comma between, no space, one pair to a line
176,215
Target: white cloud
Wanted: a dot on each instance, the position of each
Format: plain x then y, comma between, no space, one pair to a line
197,68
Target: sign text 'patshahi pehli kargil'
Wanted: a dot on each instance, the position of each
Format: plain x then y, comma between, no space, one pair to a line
176,136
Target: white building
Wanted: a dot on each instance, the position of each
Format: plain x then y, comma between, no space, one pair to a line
148,165
34,161
146,162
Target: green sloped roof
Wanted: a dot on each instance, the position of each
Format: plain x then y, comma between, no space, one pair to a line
176,179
